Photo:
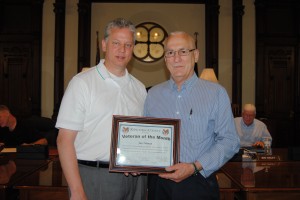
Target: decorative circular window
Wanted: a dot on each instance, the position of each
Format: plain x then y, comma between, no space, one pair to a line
149,42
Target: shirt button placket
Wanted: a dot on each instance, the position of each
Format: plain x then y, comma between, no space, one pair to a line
177,105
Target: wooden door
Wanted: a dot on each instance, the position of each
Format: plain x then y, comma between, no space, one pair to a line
16,77
279,93
20,55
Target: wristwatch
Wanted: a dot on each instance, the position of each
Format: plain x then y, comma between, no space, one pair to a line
196,170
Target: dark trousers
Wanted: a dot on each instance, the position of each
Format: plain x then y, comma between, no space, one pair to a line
192,188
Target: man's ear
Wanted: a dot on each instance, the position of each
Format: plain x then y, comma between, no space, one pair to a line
103,45
196,55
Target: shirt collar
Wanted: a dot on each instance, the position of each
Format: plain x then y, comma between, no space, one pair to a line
187,85
244,125
103,72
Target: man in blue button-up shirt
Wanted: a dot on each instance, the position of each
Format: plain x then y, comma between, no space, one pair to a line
250,130
208,138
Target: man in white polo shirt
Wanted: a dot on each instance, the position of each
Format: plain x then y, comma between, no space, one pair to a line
85,120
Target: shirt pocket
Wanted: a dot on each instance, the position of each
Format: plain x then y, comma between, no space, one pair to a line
199,128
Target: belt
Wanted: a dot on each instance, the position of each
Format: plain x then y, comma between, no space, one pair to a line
98,164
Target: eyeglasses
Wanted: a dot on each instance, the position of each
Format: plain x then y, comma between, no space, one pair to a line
181,52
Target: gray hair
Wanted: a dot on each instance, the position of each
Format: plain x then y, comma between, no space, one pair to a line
119,23
249,107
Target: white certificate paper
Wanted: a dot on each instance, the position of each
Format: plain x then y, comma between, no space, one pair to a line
145,145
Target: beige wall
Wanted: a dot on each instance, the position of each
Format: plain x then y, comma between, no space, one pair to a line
248,95
189,17
175,19
48,59
71,38
225,45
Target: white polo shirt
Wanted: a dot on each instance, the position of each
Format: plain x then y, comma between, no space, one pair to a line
90,100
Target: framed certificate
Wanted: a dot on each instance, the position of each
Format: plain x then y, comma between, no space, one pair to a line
143,144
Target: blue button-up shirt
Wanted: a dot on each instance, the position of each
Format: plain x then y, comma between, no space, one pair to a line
207,132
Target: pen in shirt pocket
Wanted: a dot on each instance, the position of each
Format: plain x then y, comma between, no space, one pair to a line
191,113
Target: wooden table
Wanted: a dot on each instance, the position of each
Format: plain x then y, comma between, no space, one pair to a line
265,179
48,183
14,170
227,187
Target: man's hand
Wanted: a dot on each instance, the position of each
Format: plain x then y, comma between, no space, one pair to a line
178,172
259,144
132,173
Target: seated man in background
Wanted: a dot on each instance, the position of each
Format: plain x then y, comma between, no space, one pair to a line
250,130
14,132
